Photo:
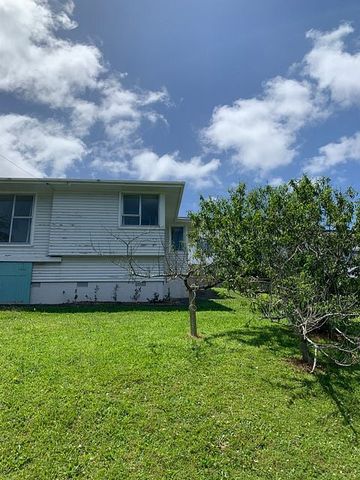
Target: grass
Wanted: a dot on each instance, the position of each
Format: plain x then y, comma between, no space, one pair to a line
120,392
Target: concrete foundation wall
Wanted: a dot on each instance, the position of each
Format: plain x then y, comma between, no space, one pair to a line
72,292
176,288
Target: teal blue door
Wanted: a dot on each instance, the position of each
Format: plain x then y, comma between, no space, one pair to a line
15,281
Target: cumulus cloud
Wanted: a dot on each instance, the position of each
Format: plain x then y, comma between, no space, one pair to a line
37,148
122,110
261,132
74,82
334,154
147,165
332,67
336,71
39,66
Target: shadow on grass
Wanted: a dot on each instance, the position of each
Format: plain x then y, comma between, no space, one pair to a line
340,385
203,305
274,336
219,293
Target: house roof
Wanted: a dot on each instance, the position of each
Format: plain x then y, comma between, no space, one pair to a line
173,190
89,181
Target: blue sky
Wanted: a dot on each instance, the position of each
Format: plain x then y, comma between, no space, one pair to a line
211,92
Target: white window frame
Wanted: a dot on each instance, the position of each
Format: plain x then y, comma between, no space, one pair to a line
32,218
122,214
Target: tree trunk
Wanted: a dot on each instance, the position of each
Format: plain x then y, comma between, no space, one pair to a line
192,313
305,352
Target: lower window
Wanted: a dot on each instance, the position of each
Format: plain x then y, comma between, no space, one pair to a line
177,238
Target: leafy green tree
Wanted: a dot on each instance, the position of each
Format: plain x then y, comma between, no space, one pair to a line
294,248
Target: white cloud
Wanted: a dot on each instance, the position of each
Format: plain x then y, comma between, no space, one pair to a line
337,71
147,165
276,181
39,66
332,67
37,148
261,132
118,167
122,111
334,154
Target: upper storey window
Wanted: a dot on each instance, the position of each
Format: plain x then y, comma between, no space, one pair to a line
16,213
140,209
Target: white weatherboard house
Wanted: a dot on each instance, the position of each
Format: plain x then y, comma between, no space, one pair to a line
67,240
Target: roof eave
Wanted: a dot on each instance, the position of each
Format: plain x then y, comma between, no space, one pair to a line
91,182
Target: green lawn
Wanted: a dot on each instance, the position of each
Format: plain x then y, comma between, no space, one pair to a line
124,393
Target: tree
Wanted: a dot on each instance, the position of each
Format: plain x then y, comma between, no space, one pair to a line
294,248
197,274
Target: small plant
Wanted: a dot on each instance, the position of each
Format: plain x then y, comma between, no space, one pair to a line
116,288
155,298
137,294
96,289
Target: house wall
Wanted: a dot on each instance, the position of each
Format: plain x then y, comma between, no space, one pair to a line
77,243
88,224
39,246
96,269
74,223
105,279
176,289
75,292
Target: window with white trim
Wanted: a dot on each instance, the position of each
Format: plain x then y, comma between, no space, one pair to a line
16,214
140,209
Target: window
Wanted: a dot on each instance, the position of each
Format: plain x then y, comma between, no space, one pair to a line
16,213
177,238
140,209
149,209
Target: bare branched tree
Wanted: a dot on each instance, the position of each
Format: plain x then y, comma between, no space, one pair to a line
197,274
320,322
